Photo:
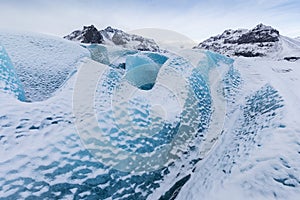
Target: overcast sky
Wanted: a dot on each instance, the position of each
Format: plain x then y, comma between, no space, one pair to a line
197,19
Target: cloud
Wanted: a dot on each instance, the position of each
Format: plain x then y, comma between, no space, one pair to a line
196,19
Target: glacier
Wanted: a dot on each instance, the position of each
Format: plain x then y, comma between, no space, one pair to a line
206,125
71,162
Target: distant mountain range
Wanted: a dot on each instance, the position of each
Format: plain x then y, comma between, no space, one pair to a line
111,36
258,42
261,41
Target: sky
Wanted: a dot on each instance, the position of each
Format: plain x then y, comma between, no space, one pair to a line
197,19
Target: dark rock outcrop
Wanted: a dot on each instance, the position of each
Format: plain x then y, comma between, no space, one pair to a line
259,34
248,54
292,58
89,34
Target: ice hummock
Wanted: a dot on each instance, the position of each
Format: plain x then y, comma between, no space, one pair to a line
42,63
9,81
141,71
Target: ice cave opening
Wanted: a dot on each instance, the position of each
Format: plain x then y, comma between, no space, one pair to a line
142,69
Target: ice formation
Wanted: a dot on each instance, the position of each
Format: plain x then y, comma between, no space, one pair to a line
9,81
138,120
141,71
42,63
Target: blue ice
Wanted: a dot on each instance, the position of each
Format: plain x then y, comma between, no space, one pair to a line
9,81
142,69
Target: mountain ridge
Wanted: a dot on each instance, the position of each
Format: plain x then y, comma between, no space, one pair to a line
111,36
260,41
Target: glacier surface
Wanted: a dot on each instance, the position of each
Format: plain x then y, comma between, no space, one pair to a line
42,63
221,126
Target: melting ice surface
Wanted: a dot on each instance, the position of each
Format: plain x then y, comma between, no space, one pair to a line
42,155
161,119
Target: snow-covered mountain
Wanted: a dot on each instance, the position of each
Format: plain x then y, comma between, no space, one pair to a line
260,41
111,36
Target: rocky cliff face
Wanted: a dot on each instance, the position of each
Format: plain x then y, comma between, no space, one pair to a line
111,36
89,34
258,41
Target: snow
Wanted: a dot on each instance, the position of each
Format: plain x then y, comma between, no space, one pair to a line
269,43
289,48
43,63
285,47
113,37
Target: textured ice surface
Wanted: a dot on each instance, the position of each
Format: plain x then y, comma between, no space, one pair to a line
42,63
42,155
256,156
141,71
9,81
125,112
252,124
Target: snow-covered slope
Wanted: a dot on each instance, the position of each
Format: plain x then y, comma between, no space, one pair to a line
257,42
43,63
111,36
289,49
258,152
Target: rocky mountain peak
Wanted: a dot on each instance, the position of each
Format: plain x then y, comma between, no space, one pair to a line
112,36
261,33
109,29
258,41
89,34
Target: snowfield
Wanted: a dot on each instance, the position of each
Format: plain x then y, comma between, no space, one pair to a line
239,124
